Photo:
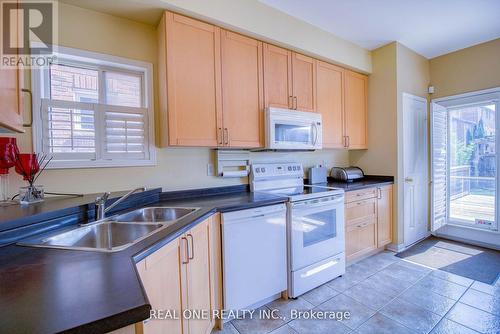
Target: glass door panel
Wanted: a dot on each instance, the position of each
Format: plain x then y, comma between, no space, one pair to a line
318,227
472,166
288,133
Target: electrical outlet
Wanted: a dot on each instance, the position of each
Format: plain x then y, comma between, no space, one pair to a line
210,169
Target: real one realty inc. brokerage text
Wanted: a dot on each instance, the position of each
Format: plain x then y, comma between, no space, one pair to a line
248,314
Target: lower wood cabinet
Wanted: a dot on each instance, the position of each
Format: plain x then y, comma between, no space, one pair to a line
384,217
184,275
368,219
361,239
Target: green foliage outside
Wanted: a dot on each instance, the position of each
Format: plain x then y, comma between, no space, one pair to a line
463,153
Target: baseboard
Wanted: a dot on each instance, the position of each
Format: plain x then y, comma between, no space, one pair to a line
396,247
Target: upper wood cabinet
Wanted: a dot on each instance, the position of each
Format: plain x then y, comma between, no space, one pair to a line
277,77
242,91
304,82
11,98
215,84
330,88
355,108
289,79
193,77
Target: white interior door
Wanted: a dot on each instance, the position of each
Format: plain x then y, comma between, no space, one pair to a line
415,169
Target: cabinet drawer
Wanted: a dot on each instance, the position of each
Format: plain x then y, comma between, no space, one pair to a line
362,194
360,211
361,239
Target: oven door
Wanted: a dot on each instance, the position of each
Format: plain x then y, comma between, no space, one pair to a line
316,230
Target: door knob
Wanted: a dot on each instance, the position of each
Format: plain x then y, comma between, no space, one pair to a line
408,179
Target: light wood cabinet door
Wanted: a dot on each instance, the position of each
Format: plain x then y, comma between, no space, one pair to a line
193,81
277,77
198,276
355,109
160,274
330,90
11,98
384,219
242,91
360,211
215,243
361,239
303,82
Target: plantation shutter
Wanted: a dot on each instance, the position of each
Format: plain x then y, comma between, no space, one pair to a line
68,130
439,157
125,133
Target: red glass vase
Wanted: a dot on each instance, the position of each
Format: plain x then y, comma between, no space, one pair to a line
27,166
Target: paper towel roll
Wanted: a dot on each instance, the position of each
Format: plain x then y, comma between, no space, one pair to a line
235,173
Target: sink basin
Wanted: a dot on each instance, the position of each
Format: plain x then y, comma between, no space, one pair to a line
115,233
107,235
155,215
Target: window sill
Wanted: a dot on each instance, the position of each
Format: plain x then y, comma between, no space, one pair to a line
99,164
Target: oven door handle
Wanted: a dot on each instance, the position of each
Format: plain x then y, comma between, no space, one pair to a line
335,200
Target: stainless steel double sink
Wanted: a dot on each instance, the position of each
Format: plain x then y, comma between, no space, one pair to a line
114,233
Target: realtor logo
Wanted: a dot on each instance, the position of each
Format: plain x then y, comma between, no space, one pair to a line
29,33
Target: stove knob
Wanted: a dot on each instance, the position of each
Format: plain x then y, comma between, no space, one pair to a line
294,167
263,169
257,170
289,168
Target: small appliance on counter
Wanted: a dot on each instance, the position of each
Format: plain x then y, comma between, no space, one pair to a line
347,174
317,174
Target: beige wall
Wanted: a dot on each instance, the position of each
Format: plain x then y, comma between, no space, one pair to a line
413,78
269,24
395,69
466,70
380,158
178,168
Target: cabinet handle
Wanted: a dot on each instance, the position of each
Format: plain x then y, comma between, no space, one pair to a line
28,125
379,193
192,246
290,105
295,102
226,136
348,141
186,250
220,135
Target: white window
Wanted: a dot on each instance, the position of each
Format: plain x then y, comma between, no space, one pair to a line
94,110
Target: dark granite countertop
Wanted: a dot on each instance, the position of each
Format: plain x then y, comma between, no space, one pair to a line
369,181
46,290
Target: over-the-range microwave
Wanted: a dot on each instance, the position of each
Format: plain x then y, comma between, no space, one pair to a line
293,130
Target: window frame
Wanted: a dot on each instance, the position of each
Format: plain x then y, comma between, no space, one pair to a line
40,85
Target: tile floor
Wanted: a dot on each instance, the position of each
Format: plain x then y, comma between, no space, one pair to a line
385,294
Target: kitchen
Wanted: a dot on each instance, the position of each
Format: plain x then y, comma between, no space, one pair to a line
234,130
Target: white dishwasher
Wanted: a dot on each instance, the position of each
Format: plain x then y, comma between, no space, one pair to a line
254,255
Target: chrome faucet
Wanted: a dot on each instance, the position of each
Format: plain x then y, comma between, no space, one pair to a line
100,203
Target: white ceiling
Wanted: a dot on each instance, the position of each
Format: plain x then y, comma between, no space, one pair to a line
429,27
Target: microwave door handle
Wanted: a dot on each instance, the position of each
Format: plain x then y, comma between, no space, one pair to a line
315,130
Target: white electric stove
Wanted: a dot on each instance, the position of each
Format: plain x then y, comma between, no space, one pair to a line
315,224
